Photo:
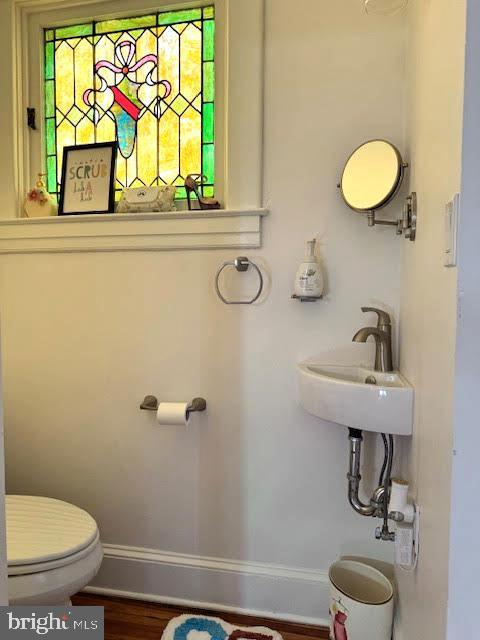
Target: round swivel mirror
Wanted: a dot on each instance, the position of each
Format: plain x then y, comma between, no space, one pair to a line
371,178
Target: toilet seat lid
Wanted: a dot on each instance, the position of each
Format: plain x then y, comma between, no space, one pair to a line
42,529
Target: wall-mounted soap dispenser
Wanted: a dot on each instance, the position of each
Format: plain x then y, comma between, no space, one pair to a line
309,282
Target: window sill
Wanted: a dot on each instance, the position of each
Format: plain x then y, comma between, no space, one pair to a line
220,229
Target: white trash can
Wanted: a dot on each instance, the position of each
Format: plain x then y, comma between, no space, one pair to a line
361,602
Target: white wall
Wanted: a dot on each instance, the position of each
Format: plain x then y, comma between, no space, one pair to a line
464,557
87,336
435,48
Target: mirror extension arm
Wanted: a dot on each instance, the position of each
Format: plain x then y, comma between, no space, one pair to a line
407,224
372,221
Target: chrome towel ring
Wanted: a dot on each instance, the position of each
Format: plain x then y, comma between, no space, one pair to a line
241,263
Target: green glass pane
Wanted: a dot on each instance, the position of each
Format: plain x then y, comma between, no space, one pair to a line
50,135
208,122
208,192
74,31
49,60
208,82
52,174
48,34
172,17
180,193
208,39
208,162
49,99
125,24
208,12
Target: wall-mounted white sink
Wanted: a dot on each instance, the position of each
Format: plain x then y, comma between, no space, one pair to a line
348,396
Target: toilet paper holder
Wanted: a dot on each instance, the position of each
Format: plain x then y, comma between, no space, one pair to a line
150,403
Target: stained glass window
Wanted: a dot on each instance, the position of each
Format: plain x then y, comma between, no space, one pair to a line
146,81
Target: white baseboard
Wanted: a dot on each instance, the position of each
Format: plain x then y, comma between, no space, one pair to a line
209,606
250,588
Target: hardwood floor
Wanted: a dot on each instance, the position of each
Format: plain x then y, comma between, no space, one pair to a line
138,620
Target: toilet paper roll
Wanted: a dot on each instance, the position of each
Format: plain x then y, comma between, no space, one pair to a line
173,413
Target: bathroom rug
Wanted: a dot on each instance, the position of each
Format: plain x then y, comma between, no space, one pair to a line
198,627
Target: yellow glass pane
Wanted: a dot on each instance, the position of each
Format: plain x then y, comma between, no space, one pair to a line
148,94
191,60
105,129
147,144
190,135
85,132
121,171
168,146
146,45
64,85
65,138
105,50
179,28
83,71
168,59
102,99
132,168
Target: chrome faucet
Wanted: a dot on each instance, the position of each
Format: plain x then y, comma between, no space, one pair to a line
382,334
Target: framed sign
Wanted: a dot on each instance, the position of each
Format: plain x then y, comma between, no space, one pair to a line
88,179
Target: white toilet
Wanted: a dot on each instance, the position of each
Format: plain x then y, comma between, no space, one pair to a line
53,550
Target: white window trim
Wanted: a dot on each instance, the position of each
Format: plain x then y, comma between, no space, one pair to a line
239,122
133,232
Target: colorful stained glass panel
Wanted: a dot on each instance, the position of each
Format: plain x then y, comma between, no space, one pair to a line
146,81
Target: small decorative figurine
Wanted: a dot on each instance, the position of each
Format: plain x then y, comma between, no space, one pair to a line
39,203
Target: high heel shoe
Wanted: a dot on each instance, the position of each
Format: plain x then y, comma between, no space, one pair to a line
193,182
